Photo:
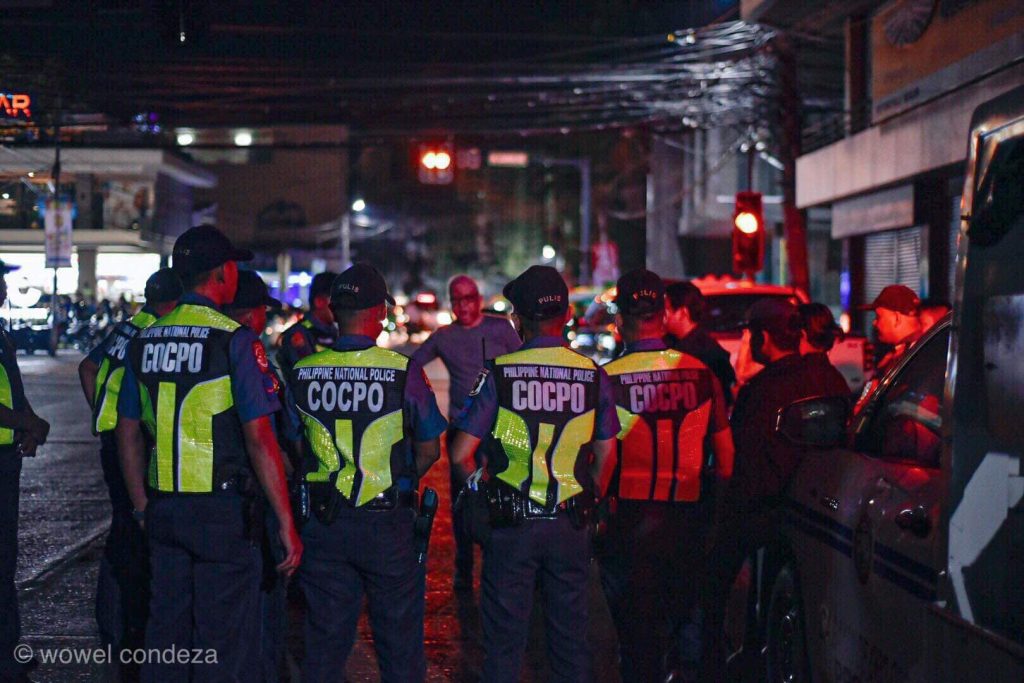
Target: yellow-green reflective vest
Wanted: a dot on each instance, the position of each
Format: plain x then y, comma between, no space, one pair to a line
7,357
542,439
664,402
182,363
111,372
352,409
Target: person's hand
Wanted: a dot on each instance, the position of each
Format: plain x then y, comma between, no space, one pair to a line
292,549
38,428
27,445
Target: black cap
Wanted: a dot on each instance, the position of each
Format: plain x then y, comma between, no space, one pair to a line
4,268
252,292
538,293
640,292
203,248
321,285
163,286
774,314
360,287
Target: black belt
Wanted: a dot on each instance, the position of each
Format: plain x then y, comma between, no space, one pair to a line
387,500
532,510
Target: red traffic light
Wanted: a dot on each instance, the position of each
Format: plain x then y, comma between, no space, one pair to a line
435,163
748,234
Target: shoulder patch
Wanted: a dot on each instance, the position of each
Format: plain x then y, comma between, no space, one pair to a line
261,356
298,341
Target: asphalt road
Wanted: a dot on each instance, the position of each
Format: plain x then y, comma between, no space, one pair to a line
64,517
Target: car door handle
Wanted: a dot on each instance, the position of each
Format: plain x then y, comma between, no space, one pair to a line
915,520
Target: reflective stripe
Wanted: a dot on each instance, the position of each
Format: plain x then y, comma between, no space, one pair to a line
370,357
553,355
199,316
195,433
375,455
7,401
106,415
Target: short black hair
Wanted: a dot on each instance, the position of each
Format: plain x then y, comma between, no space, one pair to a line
821,328
686,294
190,280
540,328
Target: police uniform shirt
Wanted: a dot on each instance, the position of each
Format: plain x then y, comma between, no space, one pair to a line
480,417
304,338
115,347
253,388
666,466
421,421
287,424
12,395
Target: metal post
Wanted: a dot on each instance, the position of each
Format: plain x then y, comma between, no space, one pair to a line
54,323
346,239
584,166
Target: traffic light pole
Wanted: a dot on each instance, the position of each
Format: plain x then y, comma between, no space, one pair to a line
794,220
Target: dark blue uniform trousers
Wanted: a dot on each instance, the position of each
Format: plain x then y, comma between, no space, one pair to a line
557,556
10,623
122,593
363,551
205,588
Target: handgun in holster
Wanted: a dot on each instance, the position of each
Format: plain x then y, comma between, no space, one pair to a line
325,499
581,509
424,524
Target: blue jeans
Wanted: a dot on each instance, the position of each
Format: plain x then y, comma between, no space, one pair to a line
557,556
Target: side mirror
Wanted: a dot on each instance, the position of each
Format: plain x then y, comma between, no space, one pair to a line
819,422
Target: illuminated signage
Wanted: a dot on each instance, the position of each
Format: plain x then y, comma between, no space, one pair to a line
15,105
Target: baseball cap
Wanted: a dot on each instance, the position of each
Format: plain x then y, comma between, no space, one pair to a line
538,293
899,298
252,292
640,292
162,286
774,314
360,287
4,268
203,248
321,284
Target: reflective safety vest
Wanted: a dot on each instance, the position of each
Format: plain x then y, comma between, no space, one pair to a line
320,341
543,435
111,372
352,409
182,363
664,401
7,355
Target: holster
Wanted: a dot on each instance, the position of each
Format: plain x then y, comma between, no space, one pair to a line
582,510
324,500
253,506
298,495
472,505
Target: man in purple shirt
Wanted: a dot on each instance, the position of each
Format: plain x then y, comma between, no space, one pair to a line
463,347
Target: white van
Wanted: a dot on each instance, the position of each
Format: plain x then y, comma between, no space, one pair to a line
902,556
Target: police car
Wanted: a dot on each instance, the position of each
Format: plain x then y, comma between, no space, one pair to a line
901,556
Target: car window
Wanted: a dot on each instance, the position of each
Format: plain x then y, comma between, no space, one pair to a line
726,312
907,419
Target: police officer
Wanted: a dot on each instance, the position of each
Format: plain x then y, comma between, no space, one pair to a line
21,433
249,308
548,417
122,594
316,331
671,408
199,384
373,425
765,461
